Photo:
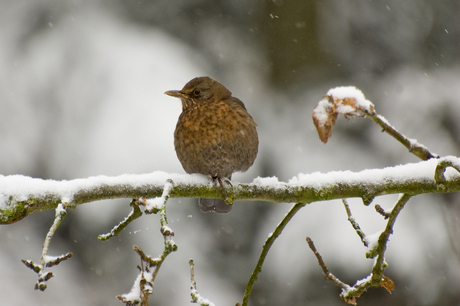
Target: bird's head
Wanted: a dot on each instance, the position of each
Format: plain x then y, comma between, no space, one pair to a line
200,90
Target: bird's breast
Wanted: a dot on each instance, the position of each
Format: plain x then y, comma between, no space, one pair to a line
216,139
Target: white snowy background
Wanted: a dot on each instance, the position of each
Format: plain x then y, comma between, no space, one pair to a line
81,94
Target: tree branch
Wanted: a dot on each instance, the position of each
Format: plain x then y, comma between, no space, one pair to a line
21,195
267,245
376,249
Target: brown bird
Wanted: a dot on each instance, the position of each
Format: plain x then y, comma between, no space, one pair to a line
214,136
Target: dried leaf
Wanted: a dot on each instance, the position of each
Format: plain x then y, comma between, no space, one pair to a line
347,107
387,283
348,101
324,117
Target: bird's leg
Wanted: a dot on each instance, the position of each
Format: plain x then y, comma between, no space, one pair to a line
227,199
218,179
221,185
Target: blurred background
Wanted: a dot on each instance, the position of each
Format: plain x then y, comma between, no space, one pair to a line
81,94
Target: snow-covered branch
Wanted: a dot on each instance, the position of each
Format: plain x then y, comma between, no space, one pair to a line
21,195
377,244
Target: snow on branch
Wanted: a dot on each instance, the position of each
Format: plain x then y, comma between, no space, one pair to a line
22,195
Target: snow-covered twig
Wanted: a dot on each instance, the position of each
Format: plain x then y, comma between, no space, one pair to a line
379,249
196,297
376,249
133,215
143,285
46,260
377,278
151,206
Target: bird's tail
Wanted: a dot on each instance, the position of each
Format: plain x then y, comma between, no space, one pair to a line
215,205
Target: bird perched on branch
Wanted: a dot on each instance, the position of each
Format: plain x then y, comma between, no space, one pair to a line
214,136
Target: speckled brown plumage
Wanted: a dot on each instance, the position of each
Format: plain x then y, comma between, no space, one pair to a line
215,135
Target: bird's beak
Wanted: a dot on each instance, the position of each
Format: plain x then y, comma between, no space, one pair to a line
176,93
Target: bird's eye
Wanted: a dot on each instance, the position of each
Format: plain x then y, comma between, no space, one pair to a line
196,92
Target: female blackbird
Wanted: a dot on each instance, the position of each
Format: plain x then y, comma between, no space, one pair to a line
214,135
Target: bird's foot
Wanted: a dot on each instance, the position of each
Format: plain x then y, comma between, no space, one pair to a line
227,200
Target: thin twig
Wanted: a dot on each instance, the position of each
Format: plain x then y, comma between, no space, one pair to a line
377,270
47,261
327,274
145,258
167,232
196,297
381,211
267,245
59,216
54,261
133,215
412,145
192,274
354,223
